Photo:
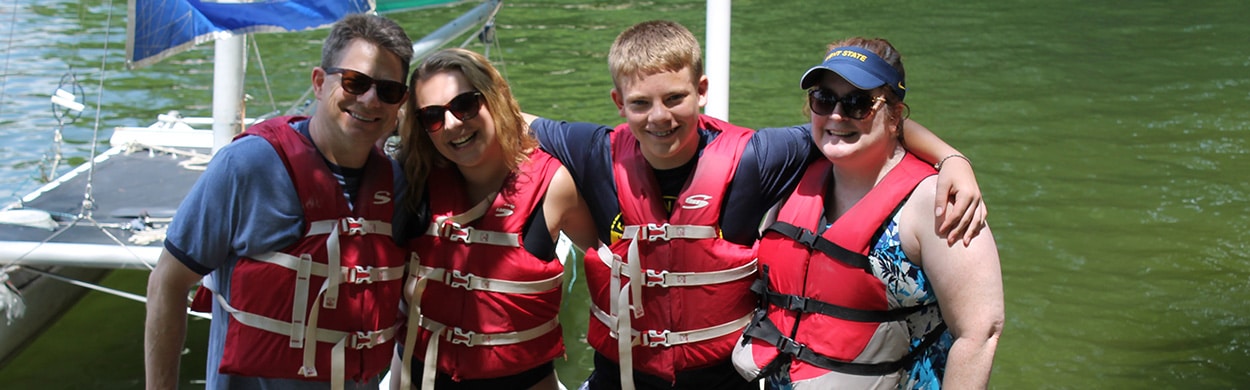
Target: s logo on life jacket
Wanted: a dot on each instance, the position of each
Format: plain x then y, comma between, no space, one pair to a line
381,198
696,201
504,211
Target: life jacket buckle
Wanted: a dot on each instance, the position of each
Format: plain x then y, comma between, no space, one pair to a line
360,275
462,234
656,278
790,347
307,371
796,303
654,232
654,338
354,226
446,227
461,336
370,339
459,280
807,238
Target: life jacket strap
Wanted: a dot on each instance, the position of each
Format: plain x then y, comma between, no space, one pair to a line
304,267
762,328
334,229
631,265
342,340
469,281
668,338
815,241
453,227
468,338
803,304
350,275
350,226
625,292
667,232
470,235
665,278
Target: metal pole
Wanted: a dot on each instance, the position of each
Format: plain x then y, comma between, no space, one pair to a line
717,64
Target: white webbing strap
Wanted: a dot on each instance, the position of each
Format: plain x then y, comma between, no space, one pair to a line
310,354
665,278
355,275
667,232
454,335
333,228
329,294
304,266
653,232
469,235
342,340
469,281
474,213
299,306
453,227
668,338
410,338
310,330
632,268
350,226
468,338
623,348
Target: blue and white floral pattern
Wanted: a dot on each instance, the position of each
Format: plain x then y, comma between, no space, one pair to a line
907,285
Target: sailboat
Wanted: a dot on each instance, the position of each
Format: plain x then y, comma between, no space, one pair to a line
109,213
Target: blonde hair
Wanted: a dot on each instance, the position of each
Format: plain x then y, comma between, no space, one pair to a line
653,47
417,154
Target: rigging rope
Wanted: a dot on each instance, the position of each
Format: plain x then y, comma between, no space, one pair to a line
88,202
106,290
8,48
263,75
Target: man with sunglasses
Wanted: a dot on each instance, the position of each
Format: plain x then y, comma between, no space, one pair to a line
290,230
661,188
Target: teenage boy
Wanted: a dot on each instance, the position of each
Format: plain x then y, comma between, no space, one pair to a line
671,293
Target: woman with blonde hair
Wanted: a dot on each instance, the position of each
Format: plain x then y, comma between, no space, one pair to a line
485,283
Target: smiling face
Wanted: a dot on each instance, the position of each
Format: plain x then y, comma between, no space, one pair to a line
662,111
841,138
468,143
359,119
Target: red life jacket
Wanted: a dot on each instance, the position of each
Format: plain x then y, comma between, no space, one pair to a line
845,324
327,307
687,287
488,307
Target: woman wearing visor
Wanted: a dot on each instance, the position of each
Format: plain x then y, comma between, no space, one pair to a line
857,289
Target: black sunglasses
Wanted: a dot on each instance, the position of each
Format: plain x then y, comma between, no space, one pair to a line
855,105
356,83
464,107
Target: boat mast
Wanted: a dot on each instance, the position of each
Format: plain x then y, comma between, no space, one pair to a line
718,59
228,68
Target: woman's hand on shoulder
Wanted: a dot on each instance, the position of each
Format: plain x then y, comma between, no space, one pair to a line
958,205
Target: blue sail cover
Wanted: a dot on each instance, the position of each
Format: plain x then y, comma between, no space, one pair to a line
161,28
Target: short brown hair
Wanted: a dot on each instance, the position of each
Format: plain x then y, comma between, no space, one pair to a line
378,30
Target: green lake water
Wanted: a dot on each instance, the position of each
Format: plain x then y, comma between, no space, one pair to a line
1109,139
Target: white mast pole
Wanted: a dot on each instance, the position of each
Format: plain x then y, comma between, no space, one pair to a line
717,60
228,68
